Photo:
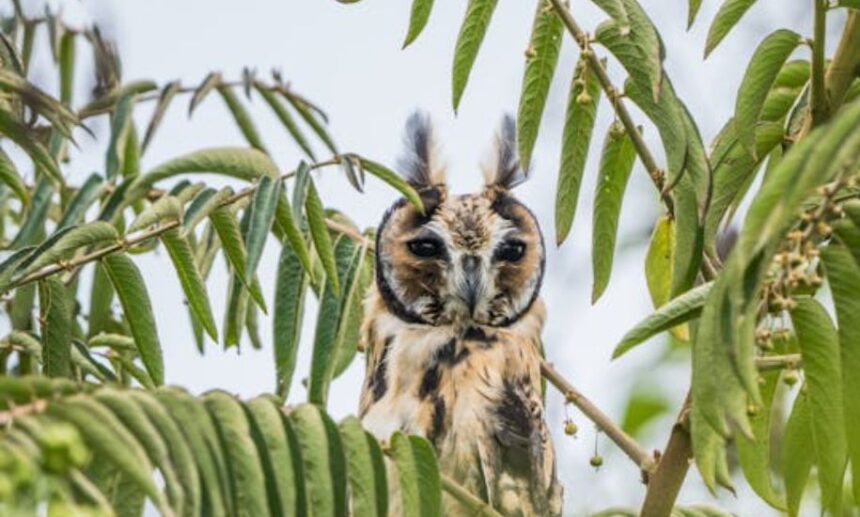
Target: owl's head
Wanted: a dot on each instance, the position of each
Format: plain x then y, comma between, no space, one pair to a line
474,258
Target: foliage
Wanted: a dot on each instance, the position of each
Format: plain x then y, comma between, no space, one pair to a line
87,422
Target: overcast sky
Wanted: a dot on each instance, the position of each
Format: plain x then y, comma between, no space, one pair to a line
348,59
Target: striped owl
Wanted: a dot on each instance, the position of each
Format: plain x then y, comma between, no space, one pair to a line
452,331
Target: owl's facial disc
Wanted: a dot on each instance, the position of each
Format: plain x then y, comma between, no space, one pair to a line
474,259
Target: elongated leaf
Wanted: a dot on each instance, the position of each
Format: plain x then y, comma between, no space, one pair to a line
37,212
322,461
325,353
418,475
692,11
357,281
206,86
202,205
616,10
576,137
101,297
475,23
107,103
320,236
287,223
227,228
642,63
96,233
67,66
306,111
541,59
616,163
284,116
678,310
763,68
276,454
237,162
418,17
797,455
242,117
26,140
10,177
843,275
131,290
11,263
819,347
247,478
167,94
55,314
120,123
644,36
189,277
729,14
81,201
166,209
394,180
60,117
659,261
262,208
290,288
366,469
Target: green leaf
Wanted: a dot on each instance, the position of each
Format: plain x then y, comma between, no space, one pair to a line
67,66
576,137
692,11
203,204
55,315
644,37
262,208
290,288
729,14
237,162
616,10
83,198
394,180
319,234
131,290
208,84
108,437
25,139
418,17
659,261
358,279
418,475
60,117
709,451
276,454
475,23
107,103
323,463
616,163
121,121
284,116
227,228
167,94
764,66
668,316
306,111
843,275
101,297
325,352
37,212
541,59
166,208
819,348
73,239
286,223
11,178
366,469
189,277
242,118
797,454
247,479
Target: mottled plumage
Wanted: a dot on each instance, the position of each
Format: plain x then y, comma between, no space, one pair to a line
452,332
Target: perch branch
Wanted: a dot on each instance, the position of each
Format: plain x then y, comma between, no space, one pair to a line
594,64
672,467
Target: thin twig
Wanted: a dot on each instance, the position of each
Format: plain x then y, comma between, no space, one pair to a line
594,64
467,498
778,362
17,411
625,442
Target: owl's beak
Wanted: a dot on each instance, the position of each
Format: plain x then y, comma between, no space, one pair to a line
473,285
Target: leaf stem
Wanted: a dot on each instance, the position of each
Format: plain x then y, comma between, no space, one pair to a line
818,95
654,172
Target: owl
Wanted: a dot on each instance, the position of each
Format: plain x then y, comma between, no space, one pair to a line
452,330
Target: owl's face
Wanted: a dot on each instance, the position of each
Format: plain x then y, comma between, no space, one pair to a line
475,258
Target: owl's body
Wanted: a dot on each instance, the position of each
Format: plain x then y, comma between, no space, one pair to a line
452,335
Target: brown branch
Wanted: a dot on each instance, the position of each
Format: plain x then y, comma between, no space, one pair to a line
628,445
595,64
664,485
8,416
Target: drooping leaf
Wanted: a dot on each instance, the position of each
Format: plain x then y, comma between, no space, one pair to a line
81,201
472,31
322,460
290,288
37,212
55,315
60,117
616,163
797,454
355,285
208,84
182,257
11,263
67,66
73,239
306,111
365,468
730,13
319,234
763,68
263,204
541,59
578,125
131,290
202,205
121,121
418,476
27,140
164,98
165,210
276,454
418,17
227,228
284,116
287,223
242,117
659,261
394,180
668,316
692,11
10,177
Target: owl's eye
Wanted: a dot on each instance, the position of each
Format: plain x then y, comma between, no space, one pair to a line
511,251
425,248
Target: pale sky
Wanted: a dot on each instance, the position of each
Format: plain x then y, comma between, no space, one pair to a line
348,59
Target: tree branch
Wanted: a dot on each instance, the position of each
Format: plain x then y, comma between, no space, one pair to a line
594,64
668,478
818,96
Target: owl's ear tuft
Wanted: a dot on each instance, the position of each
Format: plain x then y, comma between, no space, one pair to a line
420,164
505,171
